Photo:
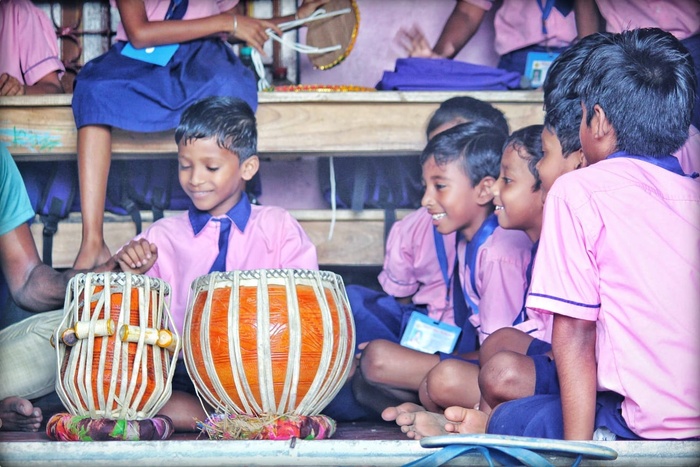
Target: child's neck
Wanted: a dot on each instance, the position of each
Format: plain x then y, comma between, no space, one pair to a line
473,227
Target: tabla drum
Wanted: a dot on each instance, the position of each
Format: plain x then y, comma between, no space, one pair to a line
268,341
116,346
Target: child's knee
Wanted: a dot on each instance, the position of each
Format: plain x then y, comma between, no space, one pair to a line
500,372
375,359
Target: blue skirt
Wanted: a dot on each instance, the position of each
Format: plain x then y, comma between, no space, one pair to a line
122,92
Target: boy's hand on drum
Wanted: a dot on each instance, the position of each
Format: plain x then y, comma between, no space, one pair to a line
137,256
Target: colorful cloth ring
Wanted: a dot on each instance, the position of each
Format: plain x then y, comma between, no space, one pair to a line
67,427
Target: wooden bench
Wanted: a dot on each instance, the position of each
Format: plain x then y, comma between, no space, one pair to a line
290,125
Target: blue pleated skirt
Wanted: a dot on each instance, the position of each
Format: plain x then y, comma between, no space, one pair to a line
122,92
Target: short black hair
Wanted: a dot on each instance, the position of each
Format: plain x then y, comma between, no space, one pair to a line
561,103
527,142
468,109
644,81
228,119
477,145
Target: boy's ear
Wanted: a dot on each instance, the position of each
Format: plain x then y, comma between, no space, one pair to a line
483,190
250,167
602,127
578,160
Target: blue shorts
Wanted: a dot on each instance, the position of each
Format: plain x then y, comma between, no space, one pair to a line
541,417
546,378
181,379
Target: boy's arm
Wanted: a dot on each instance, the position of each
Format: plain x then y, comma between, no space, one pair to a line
573,346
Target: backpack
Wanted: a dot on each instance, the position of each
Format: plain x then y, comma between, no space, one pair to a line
382,182
132,186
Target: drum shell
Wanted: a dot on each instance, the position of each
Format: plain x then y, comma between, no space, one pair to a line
269,341
101,376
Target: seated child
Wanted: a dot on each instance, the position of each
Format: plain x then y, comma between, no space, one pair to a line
626,301
30,62
459,167
411,278
217,144
515,362
127,89
624,327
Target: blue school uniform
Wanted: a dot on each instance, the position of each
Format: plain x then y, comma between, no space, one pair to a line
134,95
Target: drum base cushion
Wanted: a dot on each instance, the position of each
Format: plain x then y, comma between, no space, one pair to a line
67,427
271,427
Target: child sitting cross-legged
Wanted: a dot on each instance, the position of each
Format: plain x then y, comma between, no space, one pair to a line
217,145
459,167
514,362
625,298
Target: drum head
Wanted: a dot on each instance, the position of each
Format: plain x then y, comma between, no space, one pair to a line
341,29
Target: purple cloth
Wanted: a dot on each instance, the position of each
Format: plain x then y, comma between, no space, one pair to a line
428,74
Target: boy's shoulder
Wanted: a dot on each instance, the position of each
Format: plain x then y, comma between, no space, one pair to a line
507,244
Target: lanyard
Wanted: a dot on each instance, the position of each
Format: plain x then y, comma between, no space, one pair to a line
669,163
442,261
546,8
522,316
470,255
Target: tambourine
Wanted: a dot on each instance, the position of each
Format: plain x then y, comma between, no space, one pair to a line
335,30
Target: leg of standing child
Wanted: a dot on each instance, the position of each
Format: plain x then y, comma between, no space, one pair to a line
94,158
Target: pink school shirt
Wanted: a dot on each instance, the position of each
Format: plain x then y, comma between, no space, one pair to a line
679,17
620,246
272,239
29,44
500,279
156,10
411,265
518,24
689,154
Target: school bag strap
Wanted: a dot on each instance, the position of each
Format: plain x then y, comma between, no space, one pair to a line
55,204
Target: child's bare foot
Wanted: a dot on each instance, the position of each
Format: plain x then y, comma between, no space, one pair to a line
89,257
415,421
391,413
465,421
19,414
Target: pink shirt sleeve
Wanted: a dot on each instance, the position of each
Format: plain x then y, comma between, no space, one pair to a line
518,24
679,17
30,47
501,280
553,286
411,266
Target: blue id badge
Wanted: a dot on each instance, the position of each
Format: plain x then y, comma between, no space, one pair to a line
537,65
427,335
158,55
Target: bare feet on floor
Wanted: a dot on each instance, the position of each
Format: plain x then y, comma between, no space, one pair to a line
418,423
19,414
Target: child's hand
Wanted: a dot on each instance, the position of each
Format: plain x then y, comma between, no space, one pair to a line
10,86
306,9
414,43
137,256
254,31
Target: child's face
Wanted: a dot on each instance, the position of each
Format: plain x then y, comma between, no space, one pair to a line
450,198
212,176
553,163
517,205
